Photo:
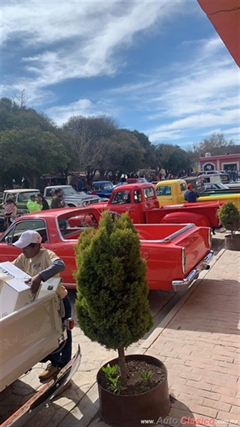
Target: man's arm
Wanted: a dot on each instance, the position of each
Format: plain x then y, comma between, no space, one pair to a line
56,267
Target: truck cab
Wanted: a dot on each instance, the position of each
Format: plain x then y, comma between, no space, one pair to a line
134,198
20,196
171,192
102,188
70,195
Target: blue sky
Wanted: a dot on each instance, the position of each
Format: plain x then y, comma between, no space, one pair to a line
158,67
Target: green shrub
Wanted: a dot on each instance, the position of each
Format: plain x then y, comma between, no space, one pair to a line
112,294
229,217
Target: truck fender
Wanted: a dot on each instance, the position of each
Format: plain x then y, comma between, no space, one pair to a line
186,217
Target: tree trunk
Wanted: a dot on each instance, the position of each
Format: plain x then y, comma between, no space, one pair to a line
122,366
29,180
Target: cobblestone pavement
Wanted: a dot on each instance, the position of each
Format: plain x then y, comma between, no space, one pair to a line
198,340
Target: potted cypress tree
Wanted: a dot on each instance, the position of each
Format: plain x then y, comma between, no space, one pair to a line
230,219
113,309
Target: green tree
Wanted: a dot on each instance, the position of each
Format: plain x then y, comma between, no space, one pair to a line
112,305
128,154
30,153
149,156
14,116
229,217
172,158
30,144
8,110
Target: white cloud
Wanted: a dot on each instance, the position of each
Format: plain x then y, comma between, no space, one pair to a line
61,114
75,39
202,97
82,107
202,93
60,41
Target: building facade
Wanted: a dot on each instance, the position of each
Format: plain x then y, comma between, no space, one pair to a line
226,162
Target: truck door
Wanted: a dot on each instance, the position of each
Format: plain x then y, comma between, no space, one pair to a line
181,192
164,194
122,202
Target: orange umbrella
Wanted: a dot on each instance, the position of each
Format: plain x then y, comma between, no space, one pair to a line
225,17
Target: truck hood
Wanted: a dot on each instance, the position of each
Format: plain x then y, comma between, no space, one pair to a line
77,197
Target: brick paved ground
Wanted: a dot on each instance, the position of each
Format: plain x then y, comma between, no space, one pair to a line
199,343
200,347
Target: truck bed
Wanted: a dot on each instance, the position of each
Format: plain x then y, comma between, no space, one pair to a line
161,232
173,252
208,209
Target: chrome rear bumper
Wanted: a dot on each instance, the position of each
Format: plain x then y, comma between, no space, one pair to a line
184,284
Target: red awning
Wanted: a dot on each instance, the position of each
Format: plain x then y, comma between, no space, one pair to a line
225,17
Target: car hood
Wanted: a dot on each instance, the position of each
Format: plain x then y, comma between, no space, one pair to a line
78,196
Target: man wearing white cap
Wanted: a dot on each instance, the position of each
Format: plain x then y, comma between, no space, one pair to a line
42,264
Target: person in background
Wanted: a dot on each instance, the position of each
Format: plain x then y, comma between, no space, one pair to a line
93,191
10,212
56,200
42,201
126,197
61,197
190,195
33,205
80,185
42,264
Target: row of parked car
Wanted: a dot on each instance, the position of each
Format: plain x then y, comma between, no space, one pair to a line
101,191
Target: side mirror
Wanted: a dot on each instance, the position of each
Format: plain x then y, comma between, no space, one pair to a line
8,240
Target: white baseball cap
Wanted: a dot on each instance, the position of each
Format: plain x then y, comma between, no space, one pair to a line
29,236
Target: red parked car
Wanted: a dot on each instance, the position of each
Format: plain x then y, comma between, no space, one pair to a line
174,253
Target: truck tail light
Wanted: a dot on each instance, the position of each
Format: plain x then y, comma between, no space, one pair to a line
209,238
183,260
69,323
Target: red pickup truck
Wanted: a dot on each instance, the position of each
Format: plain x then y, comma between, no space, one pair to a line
174,253
141,202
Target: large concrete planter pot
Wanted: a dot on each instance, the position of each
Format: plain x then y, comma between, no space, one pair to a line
128,411
232,243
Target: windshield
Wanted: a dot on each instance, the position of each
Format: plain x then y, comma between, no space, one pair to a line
164,191
69,191
22,197
102,185
121,197
108,186
216,187
222,187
